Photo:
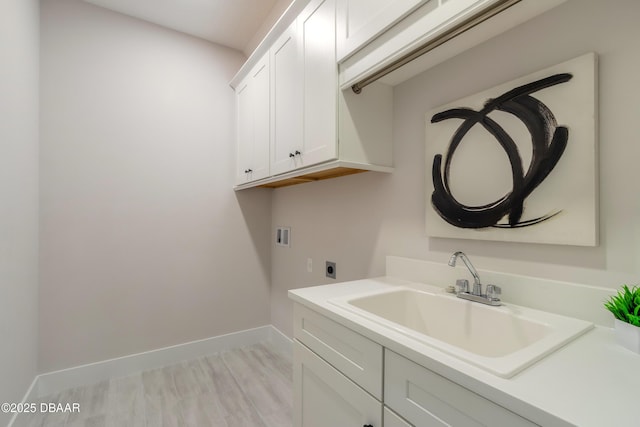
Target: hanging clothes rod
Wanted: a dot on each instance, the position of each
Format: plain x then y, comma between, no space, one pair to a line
464,26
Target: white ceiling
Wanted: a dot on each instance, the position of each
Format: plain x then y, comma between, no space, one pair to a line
231,23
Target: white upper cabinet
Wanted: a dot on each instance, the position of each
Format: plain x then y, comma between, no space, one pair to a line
433,32
298,118
317,30
286,101
252,110
244,130
360,21
304,87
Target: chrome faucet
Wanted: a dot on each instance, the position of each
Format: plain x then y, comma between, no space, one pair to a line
476,294
477,287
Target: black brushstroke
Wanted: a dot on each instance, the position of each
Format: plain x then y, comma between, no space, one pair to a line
548,141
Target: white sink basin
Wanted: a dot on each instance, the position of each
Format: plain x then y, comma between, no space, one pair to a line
502,340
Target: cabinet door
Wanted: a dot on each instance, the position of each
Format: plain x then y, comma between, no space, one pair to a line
360,21
244,131
252,106
317,30
323,397
286,102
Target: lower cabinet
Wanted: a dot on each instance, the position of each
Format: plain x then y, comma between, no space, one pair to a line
391,419
326,398
427,399
333,370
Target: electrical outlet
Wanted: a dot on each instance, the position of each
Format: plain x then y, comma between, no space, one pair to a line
309,265
330,269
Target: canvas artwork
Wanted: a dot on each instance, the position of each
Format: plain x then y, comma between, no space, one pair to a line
517,162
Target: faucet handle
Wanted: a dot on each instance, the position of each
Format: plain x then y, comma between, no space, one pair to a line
493,291
462,285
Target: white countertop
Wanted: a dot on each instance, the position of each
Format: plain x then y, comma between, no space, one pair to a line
592,381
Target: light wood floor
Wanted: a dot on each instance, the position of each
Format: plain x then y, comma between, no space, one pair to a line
242,387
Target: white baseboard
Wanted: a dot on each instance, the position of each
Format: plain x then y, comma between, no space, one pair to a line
57,381
54,382
281,343
29,396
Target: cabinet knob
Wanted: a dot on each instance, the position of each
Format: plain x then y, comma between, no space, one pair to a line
248,170
297,153
367,425
291,155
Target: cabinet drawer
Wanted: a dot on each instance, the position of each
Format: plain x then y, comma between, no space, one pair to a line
393,420
355,356
425,398
323,397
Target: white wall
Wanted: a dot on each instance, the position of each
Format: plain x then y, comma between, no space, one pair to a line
358,220
143,242
19,24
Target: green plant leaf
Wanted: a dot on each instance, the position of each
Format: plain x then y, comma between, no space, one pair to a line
625,305
634,320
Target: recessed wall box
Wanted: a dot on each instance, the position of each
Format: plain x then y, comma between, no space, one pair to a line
283,236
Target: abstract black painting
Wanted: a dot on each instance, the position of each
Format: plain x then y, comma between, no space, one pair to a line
517,162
